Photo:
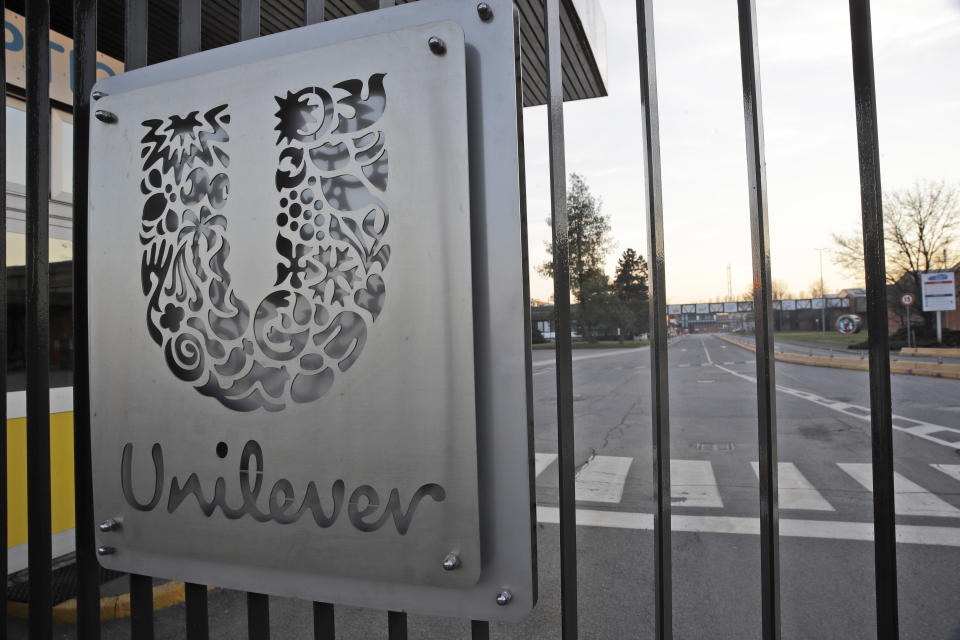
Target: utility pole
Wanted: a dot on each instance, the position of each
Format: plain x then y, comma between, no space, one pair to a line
823,297
729,284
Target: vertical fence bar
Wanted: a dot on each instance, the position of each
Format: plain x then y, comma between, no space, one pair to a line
314,11
189,32
258,605
198,626
324,627
3,326
88,569
141,607
135,57
249,19
659,382
258,616
762,313
38,318
561,299
881,418
135,34
479,630
189,27
396,625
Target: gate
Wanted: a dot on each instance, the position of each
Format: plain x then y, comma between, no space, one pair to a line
554,28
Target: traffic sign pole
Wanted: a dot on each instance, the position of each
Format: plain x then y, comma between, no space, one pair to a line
907,300
909,328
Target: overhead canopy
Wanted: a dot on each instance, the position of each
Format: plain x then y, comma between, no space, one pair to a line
582,24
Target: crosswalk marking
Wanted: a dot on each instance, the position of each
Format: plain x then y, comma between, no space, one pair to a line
795,491
909,497
542,461
602,478
952,470
830,529
692,484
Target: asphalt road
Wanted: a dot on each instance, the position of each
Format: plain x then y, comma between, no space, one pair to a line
826,553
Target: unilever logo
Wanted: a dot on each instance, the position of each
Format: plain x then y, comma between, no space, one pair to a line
331,174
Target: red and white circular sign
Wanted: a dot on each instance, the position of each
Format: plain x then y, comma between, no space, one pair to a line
906,299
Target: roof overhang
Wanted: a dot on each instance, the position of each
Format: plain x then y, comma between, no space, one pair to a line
581,22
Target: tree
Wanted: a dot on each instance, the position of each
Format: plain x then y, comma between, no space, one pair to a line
816,291
589,242
630,286
778,291
920,232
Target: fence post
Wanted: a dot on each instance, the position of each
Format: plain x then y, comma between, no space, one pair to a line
763,314
88,569
659,381
38,318
881,417
561,298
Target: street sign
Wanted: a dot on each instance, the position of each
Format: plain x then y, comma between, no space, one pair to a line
906,299
291,323
939,290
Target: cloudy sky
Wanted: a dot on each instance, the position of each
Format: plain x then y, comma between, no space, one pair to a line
813,183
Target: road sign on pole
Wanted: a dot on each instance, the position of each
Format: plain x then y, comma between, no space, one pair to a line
906,299
939,290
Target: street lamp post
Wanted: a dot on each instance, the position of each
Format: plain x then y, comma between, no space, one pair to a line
823,298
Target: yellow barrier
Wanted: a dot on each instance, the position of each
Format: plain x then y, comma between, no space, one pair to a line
930,352
909,368
111,607
61,476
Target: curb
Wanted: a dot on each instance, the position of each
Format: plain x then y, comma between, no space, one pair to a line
111,607
932,369
930,352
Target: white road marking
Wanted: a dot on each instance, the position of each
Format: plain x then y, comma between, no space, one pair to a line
910,499
692,484
602,478
542,461
952,470
794,490
917,428
703,343
590,356
829,529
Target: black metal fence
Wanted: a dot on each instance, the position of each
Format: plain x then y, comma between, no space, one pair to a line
38,324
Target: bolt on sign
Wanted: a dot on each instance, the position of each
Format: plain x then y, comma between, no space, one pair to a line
302,382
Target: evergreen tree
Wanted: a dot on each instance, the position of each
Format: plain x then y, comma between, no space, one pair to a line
588,233
630,286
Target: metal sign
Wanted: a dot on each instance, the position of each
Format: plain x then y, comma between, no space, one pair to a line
906,299
847,324
939,290
288,276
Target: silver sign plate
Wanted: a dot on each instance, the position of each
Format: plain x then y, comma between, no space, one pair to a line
291,322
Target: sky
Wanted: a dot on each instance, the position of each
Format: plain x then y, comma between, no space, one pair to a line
810,128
